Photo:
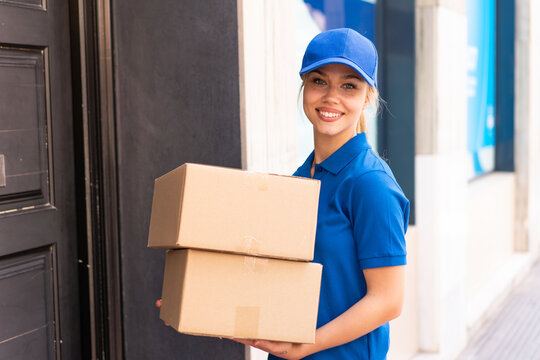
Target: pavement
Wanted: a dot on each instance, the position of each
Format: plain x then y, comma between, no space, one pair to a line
513,330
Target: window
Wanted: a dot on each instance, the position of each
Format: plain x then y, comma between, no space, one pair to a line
490,86
481,86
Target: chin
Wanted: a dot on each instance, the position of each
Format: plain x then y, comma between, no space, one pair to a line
329,131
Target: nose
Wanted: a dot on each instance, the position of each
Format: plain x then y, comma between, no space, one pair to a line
331,95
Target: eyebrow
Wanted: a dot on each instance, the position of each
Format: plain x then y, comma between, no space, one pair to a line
349,76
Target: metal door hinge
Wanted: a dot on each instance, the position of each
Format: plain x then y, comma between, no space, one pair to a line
2,171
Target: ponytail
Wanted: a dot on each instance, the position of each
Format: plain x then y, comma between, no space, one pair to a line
374,101
361,125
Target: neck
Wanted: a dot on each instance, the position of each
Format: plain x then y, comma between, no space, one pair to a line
326,145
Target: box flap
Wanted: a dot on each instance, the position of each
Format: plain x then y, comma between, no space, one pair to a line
166,208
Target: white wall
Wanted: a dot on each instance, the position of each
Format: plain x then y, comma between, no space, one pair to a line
490,244
404,334
440,175
491,226
533,224
268,85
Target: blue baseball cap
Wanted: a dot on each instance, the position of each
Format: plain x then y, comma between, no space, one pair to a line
342,46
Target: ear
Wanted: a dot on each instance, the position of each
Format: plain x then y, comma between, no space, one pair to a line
369,97
367,100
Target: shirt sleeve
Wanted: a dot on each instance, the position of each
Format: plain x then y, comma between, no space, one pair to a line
379,214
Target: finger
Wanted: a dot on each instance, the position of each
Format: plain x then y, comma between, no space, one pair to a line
266,343
244,341
274,347
158,303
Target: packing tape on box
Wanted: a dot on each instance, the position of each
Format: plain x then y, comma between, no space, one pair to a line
249,245
246,323
254,264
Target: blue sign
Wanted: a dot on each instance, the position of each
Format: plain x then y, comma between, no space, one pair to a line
481,85
355,14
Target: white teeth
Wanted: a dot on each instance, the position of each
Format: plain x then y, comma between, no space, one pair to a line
330,115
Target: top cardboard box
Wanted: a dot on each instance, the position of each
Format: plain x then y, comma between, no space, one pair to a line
223,209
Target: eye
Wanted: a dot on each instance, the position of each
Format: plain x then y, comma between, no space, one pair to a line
318,81
349,86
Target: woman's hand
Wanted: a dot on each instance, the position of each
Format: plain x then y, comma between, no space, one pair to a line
285,350
158,305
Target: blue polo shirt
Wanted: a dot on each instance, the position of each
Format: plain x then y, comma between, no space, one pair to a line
362,220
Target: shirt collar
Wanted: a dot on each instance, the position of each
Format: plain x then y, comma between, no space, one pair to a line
344,155
340,158
305,169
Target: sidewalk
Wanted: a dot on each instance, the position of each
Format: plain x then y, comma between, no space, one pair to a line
513,332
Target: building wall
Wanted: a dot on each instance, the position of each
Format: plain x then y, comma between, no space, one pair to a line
491,230
473,250
404,335
533,223
441,181
268,85
490,240
503,206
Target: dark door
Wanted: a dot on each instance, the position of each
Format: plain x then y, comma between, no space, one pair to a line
177,100
39,316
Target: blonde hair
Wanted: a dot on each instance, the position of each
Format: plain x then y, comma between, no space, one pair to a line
374,100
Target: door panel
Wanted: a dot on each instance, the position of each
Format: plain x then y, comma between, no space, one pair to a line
39,314
34,4
23,132
27,299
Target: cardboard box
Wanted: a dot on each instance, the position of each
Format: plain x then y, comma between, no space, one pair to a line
228,295
216,208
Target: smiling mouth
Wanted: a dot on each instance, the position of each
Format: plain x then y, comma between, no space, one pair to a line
326,115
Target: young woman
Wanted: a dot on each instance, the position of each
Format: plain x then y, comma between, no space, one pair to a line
363,213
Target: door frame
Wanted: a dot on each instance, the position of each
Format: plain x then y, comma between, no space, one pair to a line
96,174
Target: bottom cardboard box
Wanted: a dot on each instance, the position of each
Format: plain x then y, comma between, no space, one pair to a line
227,295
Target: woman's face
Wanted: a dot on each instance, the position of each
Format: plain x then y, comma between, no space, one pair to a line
334,97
